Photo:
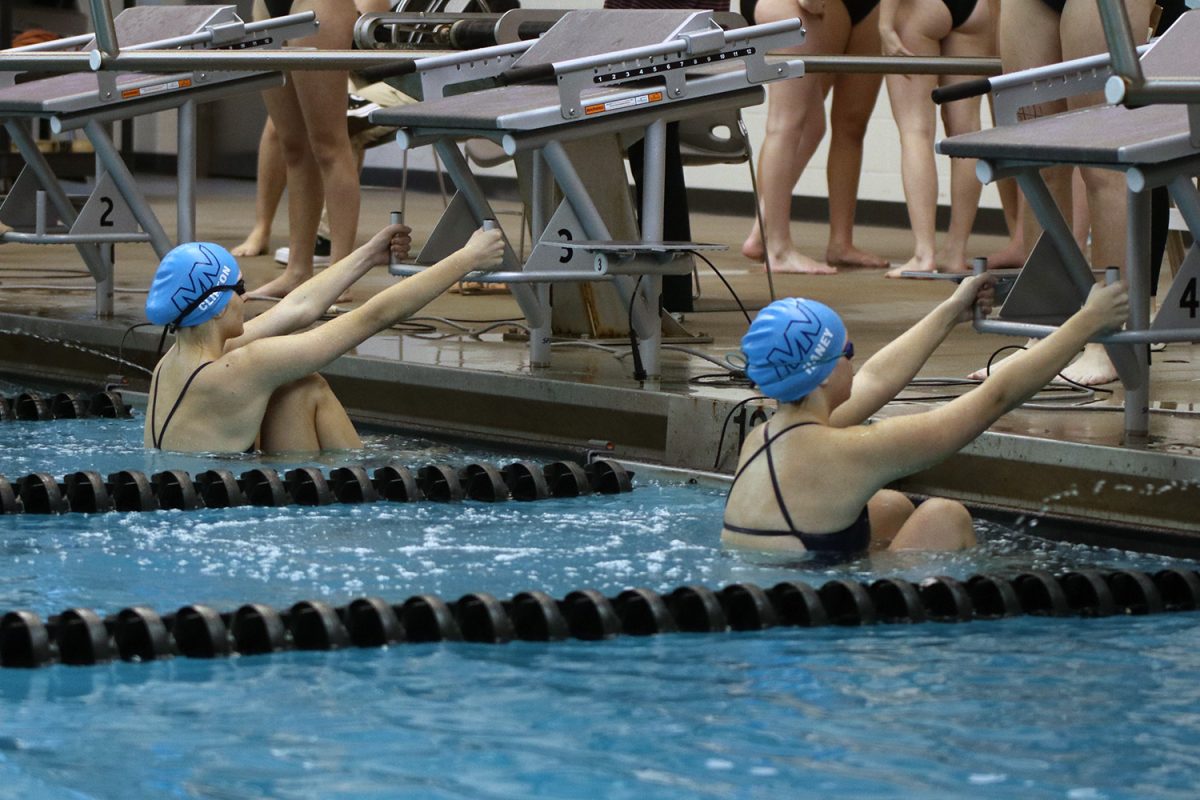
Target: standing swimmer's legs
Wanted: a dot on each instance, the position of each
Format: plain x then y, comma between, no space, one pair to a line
270,180
972,39
921,29
854,99
310,118
1082,34
795,126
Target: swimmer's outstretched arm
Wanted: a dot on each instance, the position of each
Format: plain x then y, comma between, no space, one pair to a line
899,446
885,374
304,305
273,361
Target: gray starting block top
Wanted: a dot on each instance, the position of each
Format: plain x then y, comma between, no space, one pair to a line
1107,134
79,92
583,34
523,107
591,32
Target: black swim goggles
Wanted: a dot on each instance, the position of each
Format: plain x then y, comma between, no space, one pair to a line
238,288
847,353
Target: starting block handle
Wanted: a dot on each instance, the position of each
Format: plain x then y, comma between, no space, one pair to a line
395,218
978,267
961,90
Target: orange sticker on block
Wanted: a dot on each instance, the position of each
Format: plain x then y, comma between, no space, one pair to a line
157,88
623,103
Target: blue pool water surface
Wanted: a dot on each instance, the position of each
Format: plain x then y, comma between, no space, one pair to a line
1020,708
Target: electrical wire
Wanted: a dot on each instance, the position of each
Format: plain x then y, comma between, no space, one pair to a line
639,369
717,272
1064,378
762,229
725,425
474,333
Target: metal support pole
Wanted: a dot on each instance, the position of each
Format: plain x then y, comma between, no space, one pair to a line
468,187
542,208
1119,36
646,320
186,173
575,192
1137,275
533,300
654,168
107,153
542,199
1077,267
540,334
108,253
28,149
1187,200
105,28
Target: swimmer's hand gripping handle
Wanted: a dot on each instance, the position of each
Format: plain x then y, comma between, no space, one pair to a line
396,218
978,267
961,91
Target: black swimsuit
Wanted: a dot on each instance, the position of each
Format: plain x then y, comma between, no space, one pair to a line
278,8
156,439
960,11
859,9
851,540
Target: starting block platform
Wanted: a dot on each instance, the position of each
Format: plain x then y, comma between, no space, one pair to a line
1154,145
568,103
40,210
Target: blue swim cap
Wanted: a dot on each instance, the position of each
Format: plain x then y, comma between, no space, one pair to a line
792,346
188,280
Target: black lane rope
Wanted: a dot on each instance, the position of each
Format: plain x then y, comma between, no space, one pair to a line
90,492
31,406
80,636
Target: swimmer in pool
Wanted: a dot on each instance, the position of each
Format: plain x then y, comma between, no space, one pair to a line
812,477
227,385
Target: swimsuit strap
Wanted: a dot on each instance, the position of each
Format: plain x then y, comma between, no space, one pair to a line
768,439
157,440
779,492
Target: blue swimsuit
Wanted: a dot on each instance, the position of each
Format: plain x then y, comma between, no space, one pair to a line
851,540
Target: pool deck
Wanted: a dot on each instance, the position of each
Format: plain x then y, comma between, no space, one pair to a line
1062,459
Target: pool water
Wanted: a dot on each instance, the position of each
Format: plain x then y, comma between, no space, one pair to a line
1017,708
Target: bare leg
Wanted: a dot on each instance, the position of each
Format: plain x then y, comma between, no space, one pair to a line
853,101
304,190
1083,35
1029,37
937,524
310,117
1081,218
305,416
271,178
921,29
889,510
1013,254
795,126
972,39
